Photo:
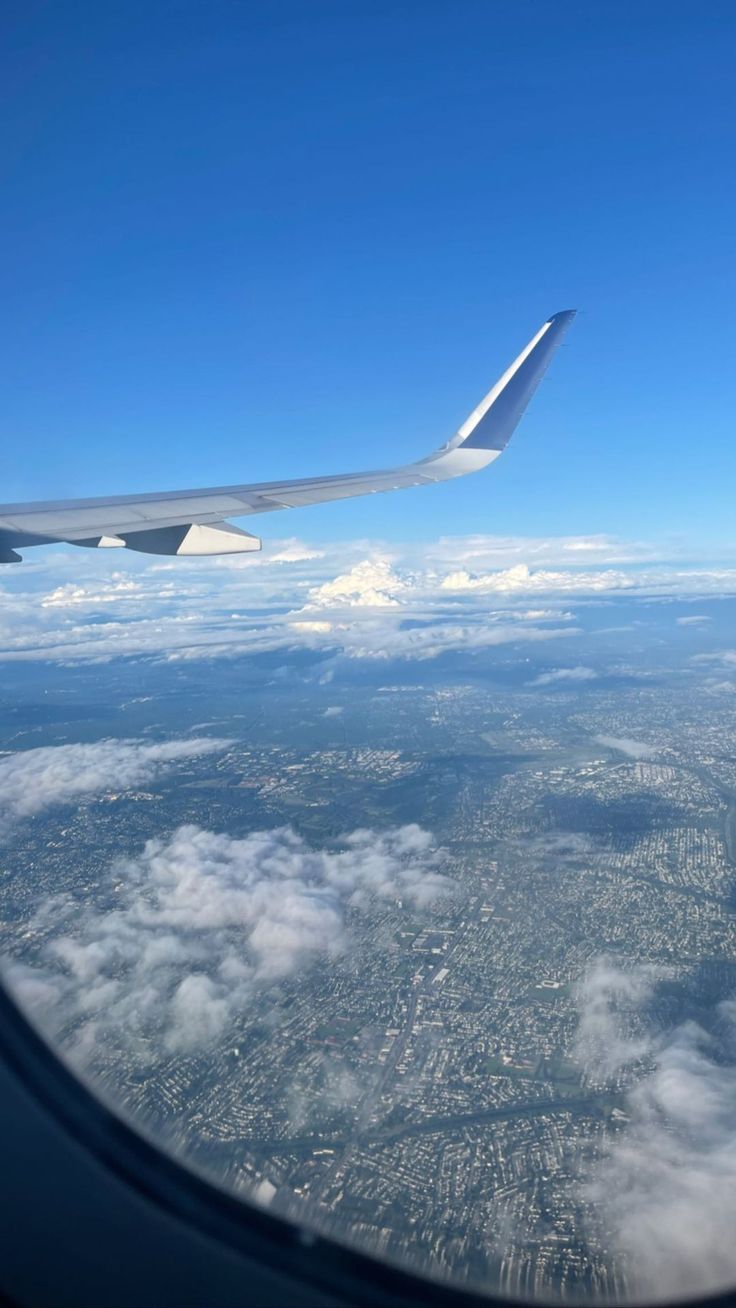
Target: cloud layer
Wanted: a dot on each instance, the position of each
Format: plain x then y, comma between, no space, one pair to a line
356,597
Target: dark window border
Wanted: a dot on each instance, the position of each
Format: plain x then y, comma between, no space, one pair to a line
310,1261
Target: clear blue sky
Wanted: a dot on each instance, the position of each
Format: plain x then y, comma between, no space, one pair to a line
245,240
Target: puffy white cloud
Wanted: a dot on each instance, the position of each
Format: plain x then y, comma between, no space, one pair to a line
693,620
370,584
665,1187
625,745
199,920
34,779
575,674
119,587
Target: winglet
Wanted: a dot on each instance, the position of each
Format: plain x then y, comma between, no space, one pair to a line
491,425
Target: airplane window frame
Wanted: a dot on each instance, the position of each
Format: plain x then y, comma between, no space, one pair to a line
311,1263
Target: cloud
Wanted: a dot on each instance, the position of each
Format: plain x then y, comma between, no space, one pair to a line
319,628
609,1001
370,584
294,551
333,711
523,578
665,1187
625,745
482,550
68,606
539,615
199,921
35,779
575,674
429,642
520,578
725,658
572,845
694,620
591,545
119,587
324,1087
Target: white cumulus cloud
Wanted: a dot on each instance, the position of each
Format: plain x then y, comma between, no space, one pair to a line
370,584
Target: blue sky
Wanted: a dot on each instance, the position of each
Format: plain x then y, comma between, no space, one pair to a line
244,241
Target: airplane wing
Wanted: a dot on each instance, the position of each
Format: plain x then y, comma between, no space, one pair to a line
194,521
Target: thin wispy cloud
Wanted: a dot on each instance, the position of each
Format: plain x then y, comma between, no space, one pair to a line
637,749
576,674
32,780
726,658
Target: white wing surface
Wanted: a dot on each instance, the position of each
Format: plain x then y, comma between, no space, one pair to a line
194,521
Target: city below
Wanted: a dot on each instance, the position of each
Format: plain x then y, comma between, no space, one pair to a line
399,952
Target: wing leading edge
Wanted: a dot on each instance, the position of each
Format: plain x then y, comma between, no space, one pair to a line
194,521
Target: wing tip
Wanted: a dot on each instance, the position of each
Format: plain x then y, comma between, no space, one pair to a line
492,424
563,316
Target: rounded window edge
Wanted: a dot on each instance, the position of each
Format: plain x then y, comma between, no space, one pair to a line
318,1269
